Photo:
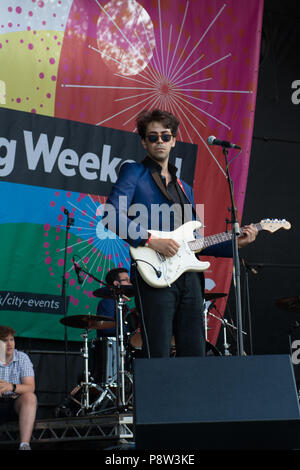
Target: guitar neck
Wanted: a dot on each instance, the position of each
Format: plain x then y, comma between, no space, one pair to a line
201,243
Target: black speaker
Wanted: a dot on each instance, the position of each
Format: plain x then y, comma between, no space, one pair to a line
235,402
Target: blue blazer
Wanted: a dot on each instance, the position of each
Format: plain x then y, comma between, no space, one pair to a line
137,190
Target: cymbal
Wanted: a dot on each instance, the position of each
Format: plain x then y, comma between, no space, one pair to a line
291,304
213,295
111,292
88,322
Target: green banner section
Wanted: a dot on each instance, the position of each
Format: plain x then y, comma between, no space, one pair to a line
32,278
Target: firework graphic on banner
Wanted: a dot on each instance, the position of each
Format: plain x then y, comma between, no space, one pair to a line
89,244
146,63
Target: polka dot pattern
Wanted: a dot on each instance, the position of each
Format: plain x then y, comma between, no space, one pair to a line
96,255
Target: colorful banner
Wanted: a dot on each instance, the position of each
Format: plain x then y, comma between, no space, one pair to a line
47,167
99,63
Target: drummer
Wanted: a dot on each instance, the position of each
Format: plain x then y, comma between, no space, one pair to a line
118,277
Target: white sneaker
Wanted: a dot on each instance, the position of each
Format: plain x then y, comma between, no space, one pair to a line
24,446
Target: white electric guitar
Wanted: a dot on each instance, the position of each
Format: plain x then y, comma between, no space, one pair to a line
160,271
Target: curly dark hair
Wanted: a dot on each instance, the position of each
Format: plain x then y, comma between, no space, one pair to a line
6,331
113,275
168,120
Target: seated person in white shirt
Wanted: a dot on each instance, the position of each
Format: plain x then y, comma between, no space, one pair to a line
17,387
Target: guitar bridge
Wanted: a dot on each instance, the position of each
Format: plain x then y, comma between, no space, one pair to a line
164,267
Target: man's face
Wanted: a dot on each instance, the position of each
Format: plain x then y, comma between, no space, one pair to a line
124,279
10,346
159,150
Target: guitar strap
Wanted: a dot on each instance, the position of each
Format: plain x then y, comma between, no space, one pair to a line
202,279
196,215
157,178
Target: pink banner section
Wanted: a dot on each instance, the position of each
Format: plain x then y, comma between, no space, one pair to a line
197,59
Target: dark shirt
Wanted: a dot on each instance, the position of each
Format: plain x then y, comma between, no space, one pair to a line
107,308
223,249
182,207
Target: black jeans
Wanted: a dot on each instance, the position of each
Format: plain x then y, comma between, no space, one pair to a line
175,310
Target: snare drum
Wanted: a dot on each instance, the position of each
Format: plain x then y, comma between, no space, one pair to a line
105,364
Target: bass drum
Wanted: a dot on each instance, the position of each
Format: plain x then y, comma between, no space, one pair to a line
105,363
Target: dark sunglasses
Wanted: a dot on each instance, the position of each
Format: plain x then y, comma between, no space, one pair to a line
154,137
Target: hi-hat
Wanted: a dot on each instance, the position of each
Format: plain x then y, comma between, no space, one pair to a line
291,304
114,291
213,295
88,322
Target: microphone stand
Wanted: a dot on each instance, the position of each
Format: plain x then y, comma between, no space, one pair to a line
235,229
248,268
70,222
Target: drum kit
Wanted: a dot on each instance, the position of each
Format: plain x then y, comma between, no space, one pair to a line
107,376
108,387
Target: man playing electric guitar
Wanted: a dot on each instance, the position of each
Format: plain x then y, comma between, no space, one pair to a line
177,308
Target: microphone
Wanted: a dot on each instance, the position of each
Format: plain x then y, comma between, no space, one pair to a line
223,143
70,220
77,270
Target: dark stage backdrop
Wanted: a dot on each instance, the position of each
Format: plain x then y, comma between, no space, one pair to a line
273,187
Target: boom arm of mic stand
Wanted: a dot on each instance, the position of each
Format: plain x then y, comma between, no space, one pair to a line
93,277
225,322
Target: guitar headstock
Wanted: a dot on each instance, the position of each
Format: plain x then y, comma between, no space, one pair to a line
274,224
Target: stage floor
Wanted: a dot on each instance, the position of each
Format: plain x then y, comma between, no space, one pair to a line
97,432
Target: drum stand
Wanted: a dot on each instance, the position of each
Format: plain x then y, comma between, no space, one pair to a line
86,385
205,312
120,354
225,323
120,398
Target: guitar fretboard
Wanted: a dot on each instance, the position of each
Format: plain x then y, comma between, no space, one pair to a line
201,243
